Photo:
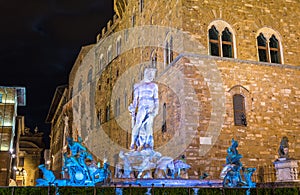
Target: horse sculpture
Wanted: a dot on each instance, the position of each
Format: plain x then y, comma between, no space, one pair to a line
78,171
165,168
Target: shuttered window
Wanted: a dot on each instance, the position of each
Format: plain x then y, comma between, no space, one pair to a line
239,110
274,50
227,43
214,41
262,48
268,49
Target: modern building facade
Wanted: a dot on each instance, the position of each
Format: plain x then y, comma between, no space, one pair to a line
10,99
224,69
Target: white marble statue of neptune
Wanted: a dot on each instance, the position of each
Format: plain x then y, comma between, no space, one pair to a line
143,110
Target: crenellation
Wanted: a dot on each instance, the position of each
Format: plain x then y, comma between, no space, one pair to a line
270,90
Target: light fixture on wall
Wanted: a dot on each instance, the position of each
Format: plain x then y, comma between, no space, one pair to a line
21,173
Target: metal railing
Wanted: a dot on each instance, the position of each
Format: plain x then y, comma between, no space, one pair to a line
264,174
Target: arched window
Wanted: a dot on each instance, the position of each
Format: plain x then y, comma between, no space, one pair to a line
168,52
132,20
126,34
90,76
268,51
119,103
141,74
99,115
262,48
109,54
227,43
101,62
117,107
268,45
71,93
274,50
221,39
141,5
107,114
164,121
214,41
239,110
132,89
118,45
153,58
125,100
80,85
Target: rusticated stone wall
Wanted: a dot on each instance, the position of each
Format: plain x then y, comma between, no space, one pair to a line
271,91
246,17
272,110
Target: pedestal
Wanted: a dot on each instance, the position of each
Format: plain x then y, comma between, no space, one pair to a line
286,170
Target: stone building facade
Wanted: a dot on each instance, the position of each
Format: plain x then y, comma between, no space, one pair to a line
30,156
225,70
56,117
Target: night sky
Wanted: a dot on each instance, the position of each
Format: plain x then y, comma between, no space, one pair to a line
39,43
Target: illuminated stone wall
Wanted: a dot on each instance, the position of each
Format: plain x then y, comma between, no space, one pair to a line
272,110
246,18
31,147
271,91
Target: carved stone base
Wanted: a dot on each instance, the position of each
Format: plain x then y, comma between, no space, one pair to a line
286,170
149,164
